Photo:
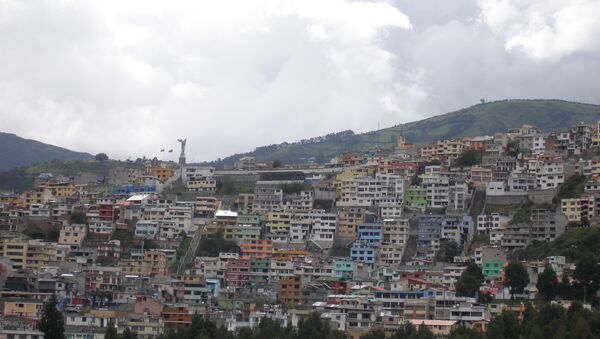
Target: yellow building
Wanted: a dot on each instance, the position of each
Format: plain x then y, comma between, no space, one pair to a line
58,189
29,254
451,148
72,234
596,138
277,222
155,263
131,267
439,328
162,172
290,290
348,220
28,309
33,197
579,209
288,255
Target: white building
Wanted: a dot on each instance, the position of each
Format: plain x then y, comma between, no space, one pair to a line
323,227
489,222
147,229
193,172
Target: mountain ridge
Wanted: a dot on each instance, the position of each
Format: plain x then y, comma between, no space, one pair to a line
480,119
16,151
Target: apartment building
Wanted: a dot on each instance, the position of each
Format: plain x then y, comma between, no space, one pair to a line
579,210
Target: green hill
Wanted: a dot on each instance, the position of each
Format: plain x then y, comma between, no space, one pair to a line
482,119
19,152
574,244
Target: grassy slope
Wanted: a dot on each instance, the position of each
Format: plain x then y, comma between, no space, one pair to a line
574,244
481,119
21,179
19,152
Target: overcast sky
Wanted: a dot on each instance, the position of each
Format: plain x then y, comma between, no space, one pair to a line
130,77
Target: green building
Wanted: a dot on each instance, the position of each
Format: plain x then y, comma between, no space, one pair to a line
247,232
416,198
343,269
254,219
492,268
259,272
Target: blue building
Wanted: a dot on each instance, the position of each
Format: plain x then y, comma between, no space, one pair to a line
364,251
458,229
370,232
430,231
127,190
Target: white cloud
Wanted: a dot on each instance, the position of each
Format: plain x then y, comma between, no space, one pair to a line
129,78
549,29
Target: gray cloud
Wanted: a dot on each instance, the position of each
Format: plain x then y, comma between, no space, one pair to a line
129,78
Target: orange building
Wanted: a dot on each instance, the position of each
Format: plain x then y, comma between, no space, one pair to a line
290,290
256,249
176,316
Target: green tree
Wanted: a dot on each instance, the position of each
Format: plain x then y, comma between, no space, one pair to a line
470,280
101,157
276,164
463,332
504,326
448,250
78,216
468,158
547,283
404,332
512,149
587,275
212,246
313,327
201,327
564,287
111,331
379,334
52,322
129,334
516,277
582,329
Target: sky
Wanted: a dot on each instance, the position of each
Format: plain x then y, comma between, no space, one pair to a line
129,78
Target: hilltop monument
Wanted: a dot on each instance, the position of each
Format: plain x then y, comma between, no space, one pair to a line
182,155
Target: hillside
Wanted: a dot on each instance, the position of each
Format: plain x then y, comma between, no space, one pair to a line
574,244
19,152
482,119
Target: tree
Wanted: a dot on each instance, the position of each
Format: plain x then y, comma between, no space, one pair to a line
582,329
564,287
504,326
129,334
78,216
512,149
448,250
470,280
52,322
516,277
378,334
111,331
587,275
101,157
468,158
463,332
313,327
276,164
547,284
216,244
